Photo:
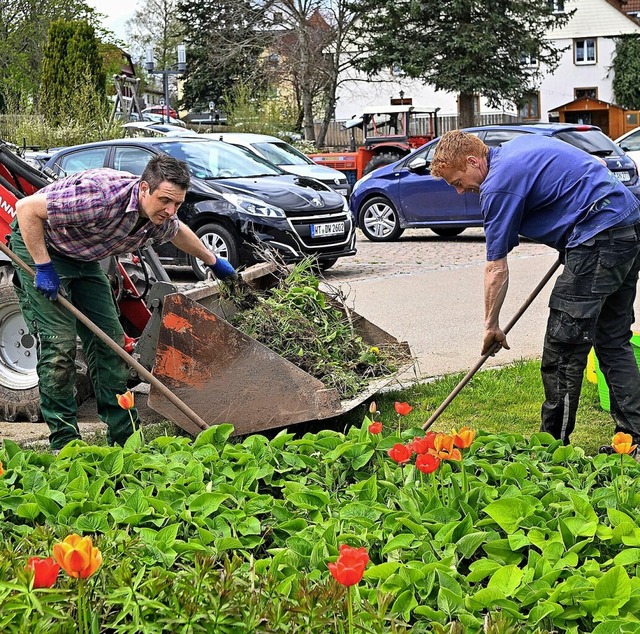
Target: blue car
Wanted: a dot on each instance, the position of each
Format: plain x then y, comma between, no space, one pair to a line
403,194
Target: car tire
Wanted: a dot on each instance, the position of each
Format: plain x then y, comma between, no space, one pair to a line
222,241
379,220
380,160
325,265
447,232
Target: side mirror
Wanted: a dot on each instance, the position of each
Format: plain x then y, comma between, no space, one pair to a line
418,165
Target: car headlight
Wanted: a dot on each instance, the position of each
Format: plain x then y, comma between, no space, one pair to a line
254,206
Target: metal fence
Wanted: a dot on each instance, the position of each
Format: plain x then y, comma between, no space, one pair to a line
339,138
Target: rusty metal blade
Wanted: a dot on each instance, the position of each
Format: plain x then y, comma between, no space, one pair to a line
227,377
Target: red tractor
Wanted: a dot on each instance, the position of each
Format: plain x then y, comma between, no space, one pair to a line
390,132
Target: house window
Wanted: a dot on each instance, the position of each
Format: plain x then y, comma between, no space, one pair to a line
584,51
528,61
590,93
557,6
530,107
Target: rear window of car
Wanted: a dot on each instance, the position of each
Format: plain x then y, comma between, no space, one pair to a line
591,141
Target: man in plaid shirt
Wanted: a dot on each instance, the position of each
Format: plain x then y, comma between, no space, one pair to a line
64,231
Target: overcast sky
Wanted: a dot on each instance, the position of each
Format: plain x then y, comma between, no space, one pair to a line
117,12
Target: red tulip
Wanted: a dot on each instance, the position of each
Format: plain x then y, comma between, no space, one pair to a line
45,571
348,569
375,428
402,409
422,445
400,453
427,463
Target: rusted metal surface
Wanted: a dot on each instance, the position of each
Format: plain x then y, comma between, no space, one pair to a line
228,377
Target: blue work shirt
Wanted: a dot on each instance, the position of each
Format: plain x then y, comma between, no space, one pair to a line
549,191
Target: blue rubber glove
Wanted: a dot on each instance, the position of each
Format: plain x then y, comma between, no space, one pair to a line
222,269
47,280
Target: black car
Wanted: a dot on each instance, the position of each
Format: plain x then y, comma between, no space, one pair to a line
239,205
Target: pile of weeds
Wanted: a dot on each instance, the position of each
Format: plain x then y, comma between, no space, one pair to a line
307,327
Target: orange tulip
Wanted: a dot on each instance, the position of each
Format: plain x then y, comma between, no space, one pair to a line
77,556
402,409
463,438
621,443
125,400
1,470
444,449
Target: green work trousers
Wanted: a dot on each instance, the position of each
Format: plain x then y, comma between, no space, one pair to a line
87,287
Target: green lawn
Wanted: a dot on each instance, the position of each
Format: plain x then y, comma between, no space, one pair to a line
500,400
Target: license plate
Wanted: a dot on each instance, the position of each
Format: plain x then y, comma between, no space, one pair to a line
327,229
622,176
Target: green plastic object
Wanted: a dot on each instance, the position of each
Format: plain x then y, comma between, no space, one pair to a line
603,389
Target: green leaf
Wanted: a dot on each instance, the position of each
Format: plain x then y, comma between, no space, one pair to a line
381,571
468,544
627,557
227,543
401,542
135,442
506,580
310,500
28,511
509,513
10,448
92,523
614,584
482,568
404,604
449,602
207,503
113,463
216,435
362,460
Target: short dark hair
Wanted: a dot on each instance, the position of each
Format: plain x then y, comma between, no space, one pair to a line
163,167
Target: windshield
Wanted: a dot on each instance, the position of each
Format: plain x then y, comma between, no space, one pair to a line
281,153
213,159
591,141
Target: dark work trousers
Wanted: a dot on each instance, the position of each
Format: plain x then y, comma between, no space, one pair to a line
87,288
592,305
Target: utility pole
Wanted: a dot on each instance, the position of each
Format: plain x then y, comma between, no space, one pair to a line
180,69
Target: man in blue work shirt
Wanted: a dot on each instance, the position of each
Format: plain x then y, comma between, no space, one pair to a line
556,194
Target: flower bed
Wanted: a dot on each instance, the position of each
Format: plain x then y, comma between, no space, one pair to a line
212,536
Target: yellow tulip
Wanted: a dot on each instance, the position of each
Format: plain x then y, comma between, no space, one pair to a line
621,443
77,556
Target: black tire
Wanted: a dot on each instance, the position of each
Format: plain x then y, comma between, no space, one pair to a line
446,232
380,160
221,241
379,220
325,265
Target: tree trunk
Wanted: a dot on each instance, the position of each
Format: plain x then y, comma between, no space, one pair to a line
466,117
329,110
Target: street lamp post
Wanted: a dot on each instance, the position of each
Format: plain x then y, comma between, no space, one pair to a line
181,68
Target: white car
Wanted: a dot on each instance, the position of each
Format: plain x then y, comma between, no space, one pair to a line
629,143
286,157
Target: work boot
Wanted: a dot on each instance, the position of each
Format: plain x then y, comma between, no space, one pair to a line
608,449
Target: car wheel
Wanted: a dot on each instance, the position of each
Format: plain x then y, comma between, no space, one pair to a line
379,220
446,232
221,241
380,160
325,265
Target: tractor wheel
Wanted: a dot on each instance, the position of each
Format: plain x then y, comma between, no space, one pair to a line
447,232
379,220
380,160
222,242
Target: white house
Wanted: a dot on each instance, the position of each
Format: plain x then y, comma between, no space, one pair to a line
584,70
